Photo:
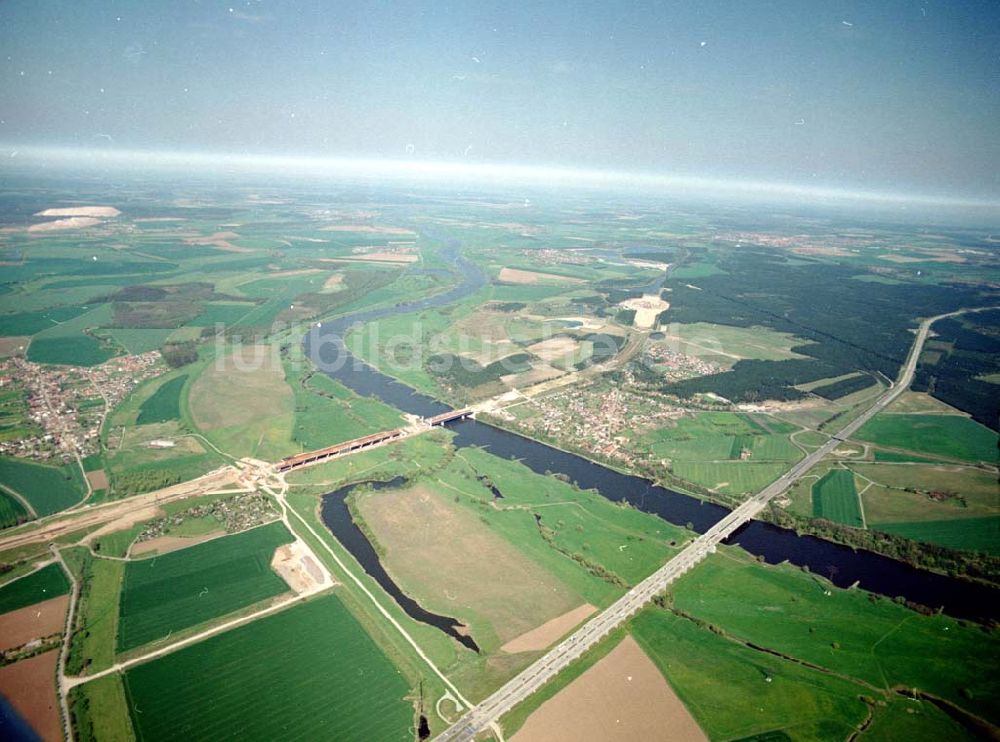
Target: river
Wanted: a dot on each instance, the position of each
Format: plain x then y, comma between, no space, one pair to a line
840,564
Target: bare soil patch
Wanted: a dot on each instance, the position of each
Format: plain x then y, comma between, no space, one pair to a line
98,479
10,346
451,562
33,622
165,544
539,372
620,699
516,275
97,211
299,567
549,632
73,222
30,687
553,348
333,283
124,522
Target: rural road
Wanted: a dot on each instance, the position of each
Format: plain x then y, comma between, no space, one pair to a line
86,515
488,711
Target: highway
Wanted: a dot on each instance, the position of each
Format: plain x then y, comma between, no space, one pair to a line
488,712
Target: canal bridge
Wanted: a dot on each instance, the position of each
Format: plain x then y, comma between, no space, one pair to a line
365,442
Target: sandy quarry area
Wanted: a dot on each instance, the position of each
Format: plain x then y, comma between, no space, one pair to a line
33,622
73,222
516,275
98,211
30,687
300,568
549,632
647,309
621,698
368,229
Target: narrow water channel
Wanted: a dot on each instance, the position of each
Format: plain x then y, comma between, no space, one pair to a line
337,517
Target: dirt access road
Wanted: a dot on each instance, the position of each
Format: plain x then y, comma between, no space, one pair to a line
86,516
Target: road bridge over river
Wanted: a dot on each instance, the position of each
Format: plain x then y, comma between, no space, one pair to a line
487,712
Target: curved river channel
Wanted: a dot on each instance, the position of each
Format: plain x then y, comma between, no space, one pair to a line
324,344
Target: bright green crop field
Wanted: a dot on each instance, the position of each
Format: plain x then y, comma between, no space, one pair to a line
164,404
836,499
49,489
184,588
48,582
953,436
849,632
308,673
12,511
967,534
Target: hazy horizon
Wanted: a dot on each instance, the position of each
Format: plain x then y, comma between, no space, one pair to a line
896,99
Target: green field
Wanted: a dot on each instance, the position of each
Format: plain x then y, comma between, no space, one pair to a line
49,489
835,498
952,436
28,323
723,436
187,587
735,692
12,511
849,632
136,341
912,720
964,534
164,404
729,477
896,457
100,712
69,344
93,644
221,313
117,543
309,672
47,582
71,350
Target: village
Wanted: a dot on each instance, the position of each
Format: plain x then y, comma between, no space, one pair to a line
598,419
66,405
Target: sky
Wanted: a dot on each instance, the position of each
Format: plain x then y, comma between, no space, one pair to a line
898,96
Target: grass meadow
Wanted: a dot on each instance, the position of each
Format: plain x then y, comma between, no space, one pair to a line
950,436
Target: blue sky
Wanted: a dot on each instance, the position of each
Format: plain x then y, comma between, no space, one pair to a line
886,95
